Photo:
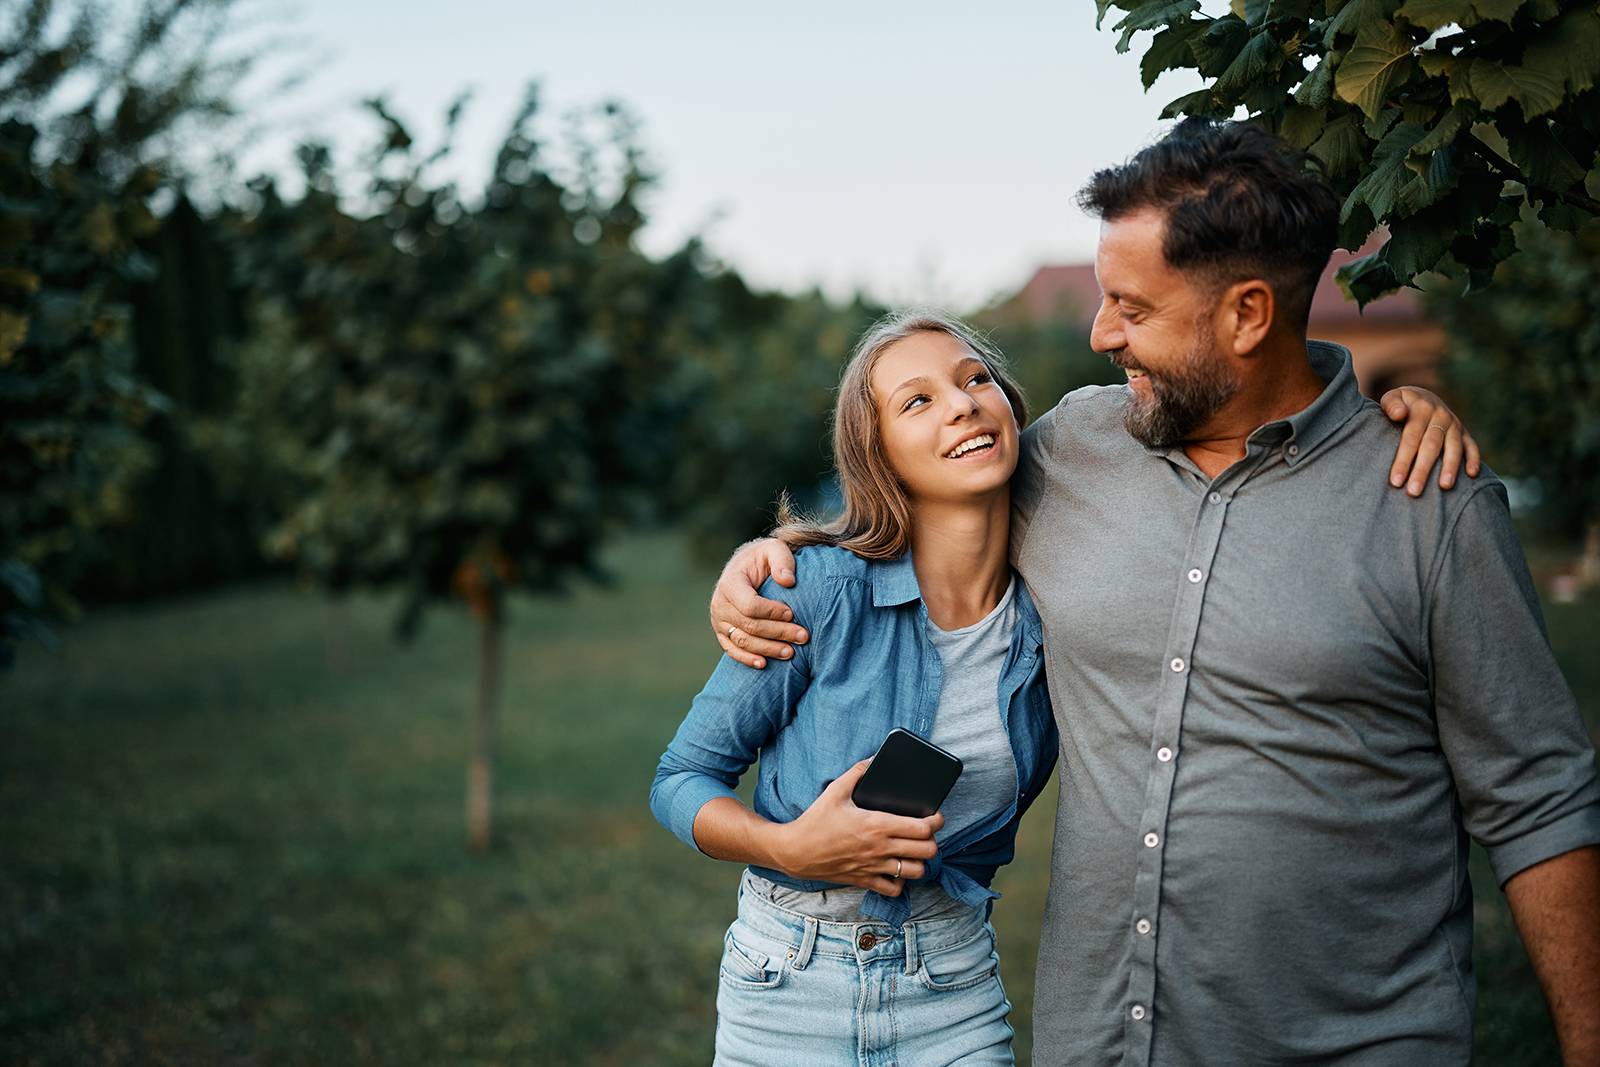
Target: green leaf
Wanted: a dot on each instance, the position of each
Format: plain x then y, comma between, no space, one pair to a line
1538,91
1290,9
1357,15
1150,15
1316,90
1435,63
1253,12
1380,60
1497,10
1540,157
1571,51
1342,146
1168,51
1445,132
1417,244
1220,45
1259,58
1435,14
1366,279
1390,185
1301,126
1375,128
1560,215
1195,103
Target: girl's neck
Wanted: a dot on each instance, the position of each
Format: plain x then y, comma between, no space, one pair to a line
959,552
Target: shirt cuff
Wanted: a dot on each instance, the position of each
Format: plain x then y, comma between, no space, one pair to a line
683,801
1573,830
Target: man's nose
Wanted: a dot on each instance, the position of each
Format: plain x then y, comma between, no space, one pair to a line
1106,334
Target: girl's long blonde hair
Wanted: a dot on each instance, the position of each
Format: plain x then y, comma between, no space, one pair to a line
876,523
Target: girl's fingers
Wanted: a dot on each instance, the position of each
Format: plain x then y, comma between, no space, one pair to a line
1452,460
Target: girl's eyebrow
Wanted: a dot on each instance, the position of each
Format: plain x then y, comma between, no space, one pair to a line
922,379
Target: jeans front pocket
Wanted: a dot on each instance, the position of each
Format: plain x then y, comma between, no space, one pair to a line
747,967
962,966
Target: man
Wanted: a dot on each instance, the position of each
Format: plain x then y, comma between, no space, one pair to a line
1286,697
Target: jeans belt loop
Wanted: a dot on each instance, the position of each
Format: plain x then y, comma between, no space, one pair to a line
911,947
803,957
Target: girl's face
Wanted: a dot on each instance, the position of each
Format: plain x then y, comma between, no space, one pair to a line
946,425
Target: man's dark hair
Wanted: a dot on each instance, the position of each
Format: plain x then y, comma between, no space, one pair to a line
1240,203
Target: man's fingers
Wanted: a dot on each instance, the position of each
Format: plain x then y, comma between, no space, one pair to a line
749,659
1474,459
753,606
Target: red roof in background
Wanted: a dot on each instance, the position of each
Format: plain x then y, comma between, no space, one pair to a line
1071,291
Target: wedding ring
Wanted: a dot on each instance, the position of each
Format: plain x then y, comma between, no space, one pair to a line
1436,426
898,864
731,628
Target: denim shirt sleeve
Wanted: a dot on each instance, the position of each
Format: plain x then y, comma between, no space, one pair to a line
736,713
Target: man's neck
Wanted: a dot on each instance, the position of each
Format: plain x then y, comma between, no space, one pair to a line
1277,382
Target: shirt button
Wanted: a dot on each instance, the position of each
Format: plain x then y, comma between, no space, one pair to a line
1143,926
867,941
1164,754
1215,498
1177,664
1294,450
1137,1012
1150,841
1196,574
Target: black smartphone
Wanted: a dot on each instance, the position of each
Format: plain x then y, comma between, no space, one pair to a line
908,776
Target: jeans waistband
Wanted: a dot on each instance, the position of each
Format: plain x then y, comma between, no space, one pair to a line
863,941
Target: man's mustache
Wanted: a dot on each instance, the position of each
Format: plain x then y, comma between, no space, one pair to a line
1120,357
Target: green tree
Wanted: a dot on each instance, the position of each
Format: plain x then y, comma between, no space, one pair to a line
460,400
1526,354
77,182
1439,119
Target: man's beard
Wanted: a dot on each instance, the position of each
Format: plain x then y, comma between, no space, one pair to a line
1181,400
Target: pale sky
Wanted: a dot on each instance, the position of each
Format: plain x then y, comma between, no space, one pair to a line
923,151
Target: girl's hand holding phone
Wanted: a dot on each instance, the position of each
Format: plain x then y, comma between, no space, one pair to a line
835,841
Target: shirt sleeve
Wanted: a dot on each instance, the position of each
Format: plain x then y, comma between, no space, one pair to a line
736,713
1027,484
1523,762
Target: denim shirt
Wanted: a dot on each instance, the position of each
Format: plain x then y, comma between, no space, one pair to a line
868,668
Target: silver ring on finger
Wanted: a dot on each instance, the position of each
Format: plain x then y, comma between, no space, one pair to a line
898,866
731,628
1436,426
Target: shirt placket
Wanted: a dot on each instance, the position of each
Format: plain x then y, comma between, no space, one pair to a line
1139,1004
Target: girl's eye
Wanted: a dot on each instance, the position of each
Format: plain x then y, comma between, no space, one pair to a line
981,378
916,401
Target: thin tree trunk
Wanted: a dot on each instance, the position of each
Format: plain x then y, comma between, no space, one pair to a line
480,771
1589,562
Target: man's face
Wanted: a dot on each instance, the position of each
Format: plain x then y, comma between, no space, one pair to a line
1156,326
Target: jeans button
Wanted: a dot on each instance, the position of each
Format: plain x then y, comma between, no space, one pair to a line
867,941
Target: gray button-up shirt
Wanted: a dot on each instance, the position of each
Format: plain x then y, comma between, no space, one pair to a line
1286,697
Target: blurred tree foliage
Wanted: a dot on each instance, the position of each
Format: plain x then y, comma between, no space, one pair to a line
76,183
1439,119
1525,353
459,400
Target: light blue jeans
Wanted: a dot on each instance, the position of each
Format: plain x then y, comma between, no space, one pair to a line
800,991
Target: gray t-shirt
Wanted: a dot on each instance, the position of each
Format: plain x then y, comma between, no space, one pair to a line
1286,697
967,724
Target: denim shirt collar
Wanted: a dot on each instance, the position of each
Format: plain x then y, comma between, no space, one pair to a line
894,581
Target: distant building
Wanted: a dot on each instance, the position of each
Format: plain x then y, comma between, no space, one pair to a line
1392,343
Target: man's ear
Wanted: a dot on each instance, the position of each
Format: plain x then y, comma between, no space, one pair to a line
1248,309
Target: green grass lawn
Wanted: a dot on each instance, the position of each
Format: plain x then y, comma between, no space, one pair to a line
216,850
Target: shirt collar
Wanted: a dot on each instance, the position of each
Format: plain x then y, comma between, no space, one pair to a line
894,581
1309,427
1303,431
